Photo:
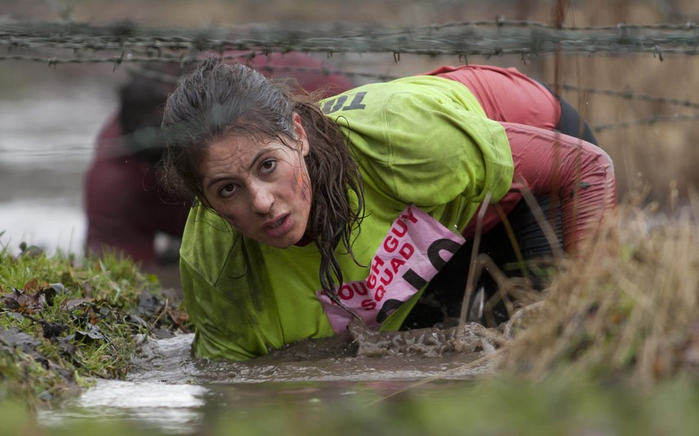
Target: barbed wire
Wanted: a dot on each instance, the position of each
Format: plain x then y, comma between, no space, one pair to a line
628,95
625,94
52,61
646,121
489,38
502,22
78,149
130,43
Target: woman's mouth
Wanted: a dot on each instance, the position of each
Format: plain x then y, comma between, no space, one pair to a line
279,227
277,223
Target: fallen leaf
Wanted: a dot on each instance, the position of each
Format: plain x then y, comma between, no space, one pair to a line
148,304
32,299
30,250
32,285
70,349
74,303
93,332
17,339
137,320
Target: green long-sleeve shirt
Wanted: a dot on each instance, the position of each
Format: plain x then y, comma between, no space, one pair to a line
420,140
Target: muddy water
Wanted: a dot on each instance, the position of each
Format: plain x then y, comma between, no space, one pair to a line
332,359
173,392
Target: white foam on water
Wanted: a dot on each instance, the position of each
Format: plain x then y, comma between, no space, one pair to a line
172,408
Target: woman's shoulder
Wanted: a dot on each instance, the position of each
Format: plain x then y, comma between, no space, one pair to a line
423,114
420,139
373,97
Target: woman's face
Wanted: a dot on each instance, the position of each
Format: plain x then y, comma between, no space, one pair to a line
262,188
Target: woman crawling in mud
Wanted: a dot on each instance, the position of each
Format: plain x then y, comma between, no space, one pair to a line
312,213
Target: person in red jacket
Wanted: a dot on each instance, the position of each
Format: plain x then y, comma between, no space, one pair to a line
126,208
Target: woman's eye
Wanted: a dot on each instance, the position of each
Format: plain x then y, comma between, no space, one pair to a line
227,190
268,166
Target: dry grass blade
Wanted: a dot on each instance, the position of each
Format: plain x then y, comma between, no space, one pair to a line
625,308
546,228
472,268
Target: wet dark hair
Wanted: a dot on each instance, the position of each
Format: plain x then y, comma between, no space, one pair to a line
219,100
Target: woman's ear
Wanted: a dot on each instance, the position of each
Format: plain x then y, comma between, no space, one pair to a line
301,135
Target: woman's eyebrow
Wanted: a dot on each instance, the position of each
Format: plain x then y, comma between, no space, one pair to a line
216,180
255,158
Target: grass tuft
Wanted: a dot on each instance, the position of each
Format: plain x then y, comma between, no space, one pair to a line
628,308
63,320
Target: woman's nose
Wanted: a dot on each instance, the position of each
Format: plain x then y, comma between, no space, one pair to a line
261,199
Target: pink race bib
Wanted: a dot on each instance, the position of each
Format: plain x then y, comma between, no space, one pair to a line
416,247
